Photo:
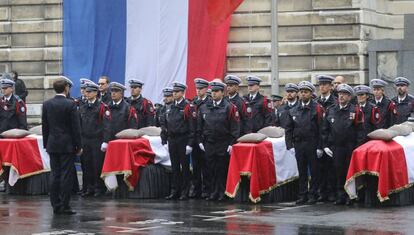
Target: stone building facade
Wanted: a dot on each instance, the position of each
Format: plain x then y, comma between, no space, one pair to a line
315,37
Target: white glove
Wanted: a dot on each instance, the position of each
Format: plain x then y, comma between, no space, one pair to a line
328,152
166,147
104,146
201,146
319,153
229,149
188,150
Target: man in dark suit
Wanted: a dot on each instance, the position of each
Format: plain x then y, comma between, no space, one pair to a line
62,140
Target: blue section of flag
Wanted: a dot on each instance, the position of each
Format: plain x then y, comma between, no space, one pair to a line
94,40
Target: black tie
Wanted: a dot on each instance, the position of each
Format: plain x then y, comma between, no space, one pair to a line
215,103
323,100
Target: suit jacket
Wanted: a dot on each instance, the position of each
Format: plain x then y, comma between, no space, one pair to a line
61,125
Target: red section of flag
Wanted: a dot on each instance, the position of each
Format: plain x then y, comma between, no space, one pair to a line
126,157
386,160
220,10
256,161
207,40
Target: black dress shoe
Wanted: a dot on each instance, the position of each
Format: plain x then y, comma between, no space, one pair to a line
348,202
301,201
212,197
183,198
321,199
87,194
331,198
205,195
339,201
68,212
98,194
57,210
311,201
172,196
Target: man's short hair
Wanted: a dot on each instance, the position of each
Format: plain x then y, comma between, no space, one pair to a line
59,85
106,79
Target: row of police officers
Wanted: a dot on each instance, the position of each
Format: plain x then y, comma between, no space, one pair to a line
322,130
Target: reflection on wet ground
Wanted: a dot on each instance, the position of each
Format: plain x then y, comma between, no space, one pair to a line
33,215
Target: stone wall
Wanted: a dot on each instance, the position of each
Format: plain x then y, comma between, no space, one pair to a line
315,37
30,43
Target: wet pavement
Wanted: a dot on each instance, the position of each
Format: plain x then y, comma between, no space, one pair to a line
33,215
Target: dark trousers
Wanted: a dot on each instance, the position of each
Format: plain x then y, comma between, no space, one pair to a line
180,164
62,165
217,161
92,161
306,159
199,169
341,158
327,185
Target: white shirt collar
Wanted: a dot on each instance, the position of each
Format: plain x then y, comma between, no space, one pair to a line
363,105
380,100
342,107
217,103
401,99
325,97
253,96
135,98
117,103
231,97
92,102
292,103
61,95
7,98
179,101
307,103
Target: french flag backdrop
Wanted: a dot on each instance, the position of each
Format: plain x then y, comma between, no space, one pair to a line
156,41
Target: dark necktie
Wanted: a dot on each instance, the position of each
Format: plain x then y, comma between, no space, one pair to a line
323,100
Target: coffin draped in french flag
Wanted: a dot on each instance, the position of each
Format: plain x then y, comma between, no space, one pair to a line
392,162
126,157
156,41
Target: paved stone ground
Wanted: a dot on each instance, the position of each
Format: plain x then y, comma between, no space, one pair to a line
33,215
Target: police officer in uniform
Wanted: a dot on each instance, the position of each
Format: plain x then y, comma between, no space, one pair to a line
178,137
371,112
82,99
168,102
341,133
158,108
219,128
197,156
291,101
233,82
19,87
327,186
12,108
123,115
404,103
259,107
385,105
62,140
95,124
303,134
104,92
145,109
277,102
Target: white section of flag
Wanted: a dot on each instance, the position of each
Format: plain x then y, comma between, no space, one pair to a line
285,161
407,143
156,44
